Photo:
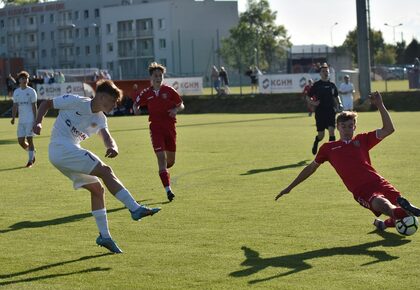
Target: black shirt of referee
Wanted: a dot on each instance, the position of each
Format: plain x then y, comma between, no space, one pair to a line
326,93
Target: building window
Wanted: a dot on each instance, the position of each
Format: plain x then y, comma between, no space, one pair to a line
42,19
77,33
162,43
44,53
42,36
31,37
76,15
3,40
52,35
161,23
51,18
163,61
2,23
86,13
87,50
109,47
77,50
86,31
31,21
108,29
96,12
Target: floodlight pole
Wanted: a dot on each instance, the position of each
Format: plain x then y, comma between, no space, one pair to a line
363,51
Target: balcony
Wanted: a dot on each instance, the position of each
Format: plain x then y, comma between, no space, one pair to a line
144,33
126,34
65,42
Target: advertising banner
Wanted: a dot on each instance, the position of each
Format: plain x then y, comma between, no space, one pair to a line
186,86
49,91
286,83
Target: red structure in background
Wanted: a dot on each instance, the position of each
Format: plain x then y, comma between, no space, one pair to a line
11,65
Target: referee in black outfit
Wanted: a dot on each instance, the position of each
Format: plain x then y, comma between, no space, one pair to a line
327,102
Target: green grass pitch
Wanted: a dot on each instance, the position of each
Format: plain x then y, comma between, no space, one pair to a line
224,230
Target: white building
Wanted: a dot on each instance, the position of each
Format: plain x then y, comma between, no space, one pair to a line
121,36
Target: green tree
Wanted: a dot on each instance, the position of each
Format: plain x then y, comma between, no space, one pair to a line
412,51
256,39
400,51
376,43
386,56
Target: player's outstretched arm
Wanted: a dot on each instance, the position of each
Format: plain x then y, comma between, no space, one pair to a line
42,111
304,174
110,144
387,124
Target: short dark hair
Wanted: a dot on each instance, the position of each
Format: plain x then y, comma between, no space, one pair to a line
108,87
345,116
23,74
156,66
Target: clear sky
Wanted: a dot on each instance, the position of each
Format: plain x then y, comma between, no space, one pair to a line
312,22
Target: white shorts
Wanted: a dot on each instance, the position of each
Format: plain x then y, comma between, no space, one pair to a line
25,130
74,162
347,102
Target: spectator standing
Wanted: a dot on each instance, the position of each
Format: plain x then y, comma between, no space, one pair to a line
24,103
215,79
224,80
346,91
308,98
11,85
327,103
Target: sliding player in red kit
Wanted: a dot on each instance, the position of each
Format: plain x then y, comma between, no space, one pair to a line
350,158
163,103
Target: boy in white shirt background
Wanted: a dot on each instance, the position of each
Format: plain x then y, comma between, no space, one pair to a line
346,91
24,103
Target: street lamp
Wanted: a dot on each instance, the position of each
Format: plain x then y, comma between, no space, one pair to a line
331,31
393,28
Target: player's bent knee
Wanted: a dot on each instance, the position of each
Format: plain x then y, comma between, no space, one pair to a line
170,164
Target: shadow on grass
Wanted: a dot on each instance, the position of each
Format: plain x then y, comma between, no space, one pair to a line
255,171
46,267
52,222
298,262
12,168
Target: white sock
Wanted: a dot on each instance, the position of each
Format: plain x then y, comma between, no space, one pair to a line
31,155
102,222
127,199
168,188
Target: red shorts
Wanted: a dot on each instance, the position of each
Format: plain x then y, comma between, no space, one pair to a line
163,137
368,192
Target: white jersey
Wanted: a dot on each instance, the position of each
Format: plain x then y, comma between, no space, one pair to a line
348,88
75,121
24,99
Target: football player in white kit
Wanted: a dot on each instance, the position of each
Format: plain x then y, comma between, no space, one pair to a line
24,103
79,118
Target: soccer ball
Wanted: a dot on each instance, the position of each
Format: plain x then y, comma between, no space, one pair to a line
407,226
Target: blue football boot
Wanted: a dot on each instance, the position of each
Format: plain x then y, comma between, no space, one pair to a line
143,211
109,244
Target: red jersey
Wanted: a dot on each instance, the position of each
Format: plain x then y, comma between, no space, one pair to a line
306,90
159,103
351,160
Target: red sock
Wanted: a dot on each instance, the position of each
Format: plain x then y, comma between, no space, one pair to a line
390,223
165,178
399,213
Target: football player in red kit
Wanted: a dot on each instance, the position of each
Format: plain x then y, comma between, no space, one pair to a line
350,158
163,103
